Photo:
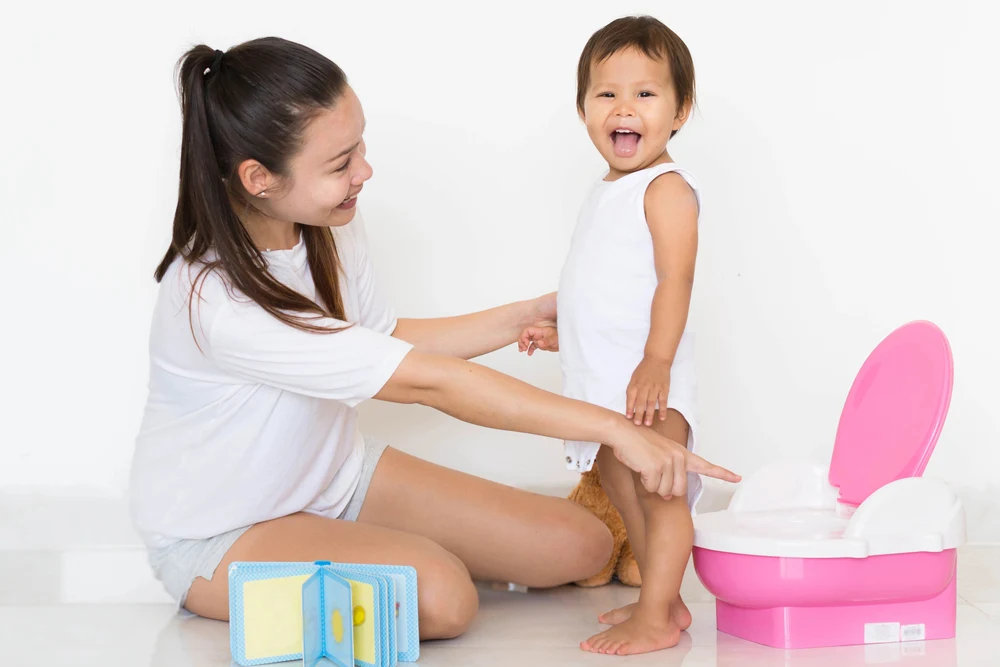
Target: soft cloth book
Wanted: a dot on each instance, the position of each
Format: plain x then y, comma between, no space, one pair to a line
323,613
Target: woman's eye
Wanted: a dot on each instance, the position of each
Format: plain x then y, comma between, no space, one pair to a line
342,169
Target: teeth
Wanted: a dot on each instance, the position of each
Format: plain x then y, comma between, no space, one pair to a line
624,131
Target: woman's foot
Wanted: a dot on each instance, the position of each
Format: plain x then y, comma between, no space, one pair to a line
678,610
640,633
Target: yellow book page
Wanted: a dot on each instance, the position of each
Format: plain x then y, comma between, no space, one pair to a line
272,617
364,621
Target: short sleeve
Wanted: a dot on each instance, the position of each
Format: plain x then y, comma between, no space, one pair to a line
349,366
374,310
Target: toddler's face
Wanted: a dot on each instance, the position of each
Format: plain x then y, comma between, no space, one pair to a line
630,109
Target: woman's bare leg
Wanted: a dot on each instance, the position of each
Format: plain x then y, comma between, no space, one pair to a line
448,601
444,523
500,533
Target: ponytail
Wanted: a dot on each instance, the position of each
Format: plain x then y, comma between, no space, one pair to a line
250,103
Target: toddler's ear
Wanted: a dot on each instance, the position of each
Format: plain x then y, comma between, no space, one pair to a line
683,114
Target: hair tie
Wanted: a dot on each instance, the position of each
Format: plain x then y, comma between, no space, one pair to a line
214,67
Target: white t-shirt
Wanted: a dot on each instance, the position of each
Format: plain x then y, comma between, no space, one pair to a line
260,422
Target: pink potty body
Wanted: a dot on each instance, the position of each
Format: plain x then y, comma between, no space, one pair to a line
862,553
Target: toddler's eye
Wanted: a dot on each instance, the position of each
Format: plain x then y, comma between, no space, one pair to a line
645,93
605,94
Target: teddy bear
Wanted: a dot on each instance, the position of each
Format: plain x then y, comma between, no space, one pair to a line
589,494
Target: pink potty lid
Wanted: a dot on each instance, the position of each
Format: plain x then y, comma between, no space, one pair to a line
894,412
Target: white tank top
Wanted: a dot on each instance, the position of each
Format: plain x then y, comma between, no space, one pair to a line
604,302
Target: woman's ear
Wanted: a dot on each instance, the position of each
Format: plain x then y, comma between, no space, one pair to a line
255,178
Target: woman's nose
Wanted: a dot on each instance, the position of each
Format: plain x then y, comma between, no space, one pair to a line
362,174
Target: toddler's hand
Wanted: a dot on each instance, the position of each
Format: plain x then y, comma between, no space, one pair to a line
538,338
649,386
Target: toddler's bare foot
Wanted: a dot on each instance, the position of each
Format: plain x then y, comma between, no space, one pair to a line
640,633
679,611
616,616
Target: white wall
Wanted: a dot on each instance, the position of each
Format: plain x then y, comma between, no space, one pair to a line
847,153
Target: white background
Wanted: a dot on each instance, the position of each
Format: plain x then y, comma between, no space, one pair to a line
847,154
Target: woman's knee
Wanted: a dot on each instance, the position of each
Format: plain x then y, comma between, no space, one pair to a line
448,599
590,543
576,546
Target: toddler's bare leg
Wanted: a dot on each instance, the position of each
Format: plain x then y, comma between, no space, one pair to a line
618,482
657,619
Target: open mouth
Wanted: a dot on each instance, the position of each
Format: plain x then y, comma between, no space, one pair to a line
626,142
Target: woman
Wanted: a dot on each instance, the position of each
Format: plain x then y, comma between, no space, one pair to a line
269,330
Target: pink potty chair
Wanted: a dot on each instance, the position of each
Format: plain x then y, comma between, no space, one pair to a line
865,552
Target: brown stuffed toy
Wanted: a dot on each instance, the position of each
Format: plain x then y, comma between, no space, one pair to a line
589,493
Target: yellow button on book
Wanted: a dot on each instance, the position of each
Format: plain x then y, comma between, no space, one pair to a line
359,615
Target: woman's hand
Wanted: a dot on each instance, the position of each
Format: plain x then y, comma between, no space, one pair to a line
648,387
661,463
476,334
480,395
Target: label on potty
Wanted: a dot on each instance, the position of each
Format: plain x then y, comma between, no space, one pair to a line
914,633
882,633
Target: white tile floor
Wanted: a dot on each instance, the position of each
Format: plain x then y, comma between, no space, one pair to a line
80,594
538,628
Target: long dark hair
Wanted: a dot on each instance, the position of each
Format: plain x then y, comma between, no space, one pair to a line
251,102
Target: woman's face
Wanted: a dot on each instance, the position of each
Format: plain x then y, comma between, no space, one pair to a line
329,171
